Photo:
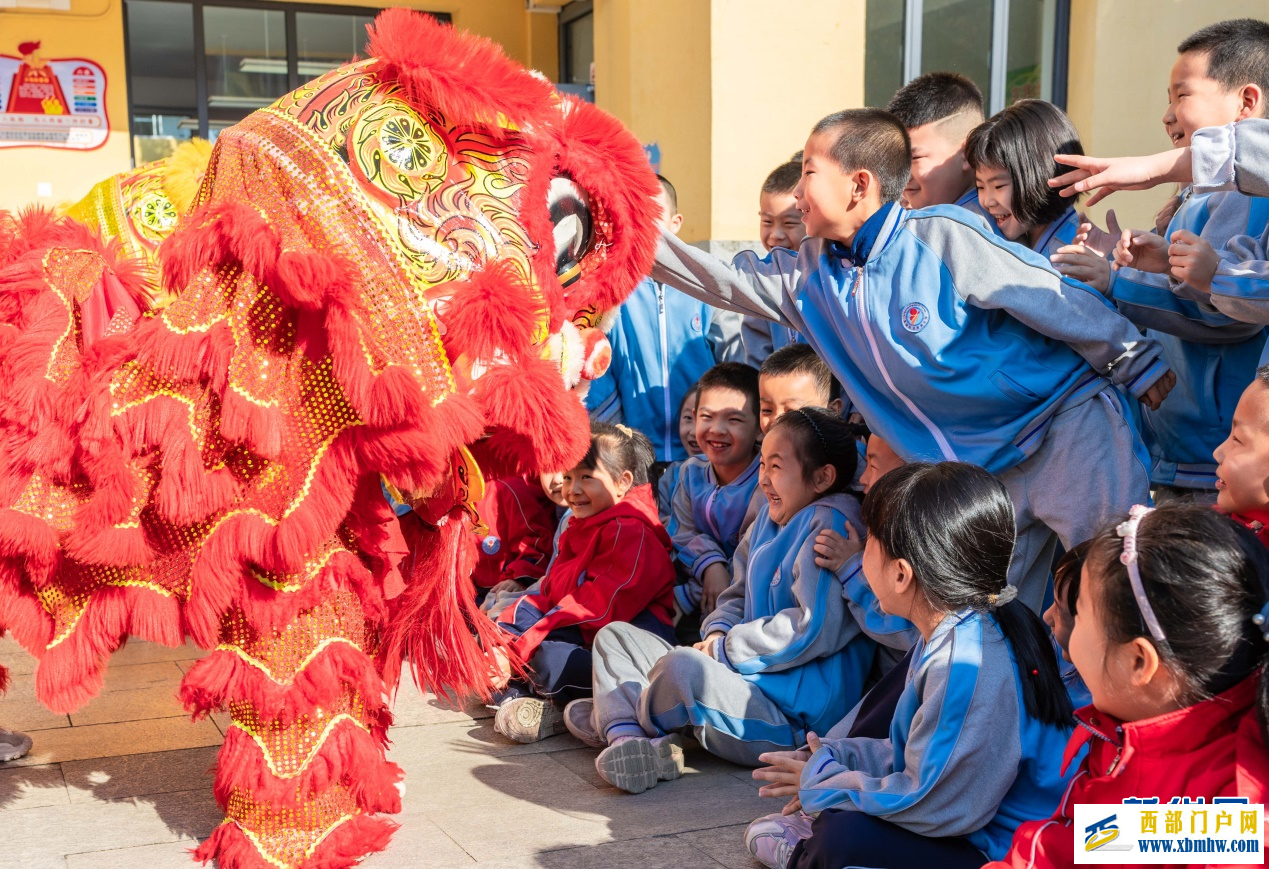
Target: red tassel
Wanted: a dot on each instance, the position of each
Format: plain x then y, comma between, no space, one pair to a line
346,845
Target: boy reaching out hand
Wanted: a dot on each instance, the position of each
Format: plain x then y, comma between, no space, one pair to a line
953,343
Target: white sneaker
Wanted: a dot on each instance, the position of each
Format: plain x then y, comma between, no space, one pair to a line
528,719
637,763
579,718
771,840
13,745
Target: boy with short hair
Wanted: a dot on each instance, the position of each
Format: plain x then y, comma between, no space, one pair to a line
662,342
953,343
939,109
794,377
1221,75
718,496
780,226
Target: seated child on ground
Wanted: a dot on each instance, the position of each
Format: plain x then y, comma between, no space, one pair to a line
502,594
520,518
1172,647
781,654
794,377
976,740
1242,461
613,565
669,482
1060,617
718,494
834,550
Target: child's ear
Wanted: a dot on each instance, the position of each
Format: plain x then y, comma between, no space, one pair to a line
1252,102
1143,662
905,579
835,407
822,479
626,480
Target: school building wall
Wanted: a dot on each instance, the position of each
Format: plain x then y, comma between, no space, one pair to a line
727,89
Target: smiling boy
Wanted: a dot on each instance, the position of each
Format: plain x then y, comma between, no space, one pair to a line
717,497
780,225
954,344
1177,286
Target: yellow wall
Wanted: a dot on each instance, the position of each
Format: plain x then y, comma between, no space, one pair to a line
1117,90
93,29
721,87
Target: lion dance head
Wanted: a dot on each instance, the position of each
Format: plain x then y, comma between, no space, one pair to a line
392,277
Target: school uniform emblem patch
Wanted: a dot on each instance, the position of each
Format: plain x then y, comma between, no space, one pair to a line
490,545
915,316
696,323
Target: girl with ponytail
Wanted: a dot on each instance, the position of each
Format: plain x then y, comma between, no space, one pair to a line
975,744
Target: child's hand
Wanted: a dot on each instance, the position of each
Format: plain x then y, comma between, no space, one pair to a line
1079,262
1095,238
714,582
1155,394
502,668
707,645
1193,260
785,772
832,550
507,585
1143,251
1107,175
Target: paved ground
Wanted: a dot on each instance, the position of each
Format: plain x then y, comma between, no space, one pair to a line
125,784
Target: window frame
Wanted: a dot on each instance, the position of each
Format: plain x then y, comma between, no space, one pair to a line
289,11
913,22
574,11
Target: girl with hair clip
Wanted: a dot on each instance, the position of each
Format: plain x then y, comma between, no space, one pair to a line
781,654
975,743
613,564
1011,154
1170,637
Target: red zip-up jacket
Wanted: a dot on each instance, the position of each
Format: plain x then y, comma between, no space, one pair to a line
610,567
521,521
1211,749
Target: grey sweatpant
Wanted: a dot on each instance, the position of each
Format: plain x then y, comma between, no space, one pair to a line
1091,468
645,686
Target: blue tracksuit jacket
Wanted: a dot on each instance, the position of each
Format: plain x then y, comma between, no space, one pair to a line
953,343
786,626
1213,355
662,342
963,757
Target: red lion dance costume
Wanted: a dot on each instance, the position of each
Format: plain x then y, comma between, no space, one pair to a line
392,275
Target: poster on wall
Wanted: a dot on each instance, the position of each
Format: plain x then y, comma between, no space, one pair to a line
58,103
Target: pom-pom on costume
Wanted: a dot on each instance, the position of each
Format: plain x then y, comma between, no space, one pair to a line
390,278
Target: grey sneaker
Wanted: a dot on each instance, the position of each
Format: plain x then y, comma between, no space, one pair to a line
637,763
579,718
528,719
13,745
771,839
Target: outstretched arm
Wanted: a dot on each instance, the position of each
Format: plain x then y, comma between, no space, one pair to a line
749,285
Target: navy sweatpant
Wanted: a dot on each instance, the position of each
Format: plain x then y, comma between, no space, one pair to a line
853,839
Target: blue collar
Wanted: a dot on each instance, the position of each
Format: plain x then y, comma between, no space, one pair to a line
861,246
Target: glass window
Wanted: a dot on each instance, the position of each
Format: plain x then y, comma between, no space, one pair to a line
956,37
580,36
323,41
246,62
161,80
883,51
1029,71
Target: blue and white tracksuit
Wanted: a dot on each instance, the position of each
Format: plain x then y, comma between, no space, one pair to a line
791,658
963,757
958,345
1213,355
707,522
662,342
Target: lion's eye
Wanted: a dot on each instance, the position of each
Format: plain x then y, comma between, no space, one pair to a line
570,216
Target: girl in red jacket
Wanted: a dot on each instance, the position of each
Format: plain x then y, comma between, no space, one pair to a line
613,566
1169,636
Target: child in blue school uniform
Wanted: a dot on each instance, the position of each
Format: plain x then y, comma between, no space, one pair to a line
975,745
782,654
717,497
952,342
